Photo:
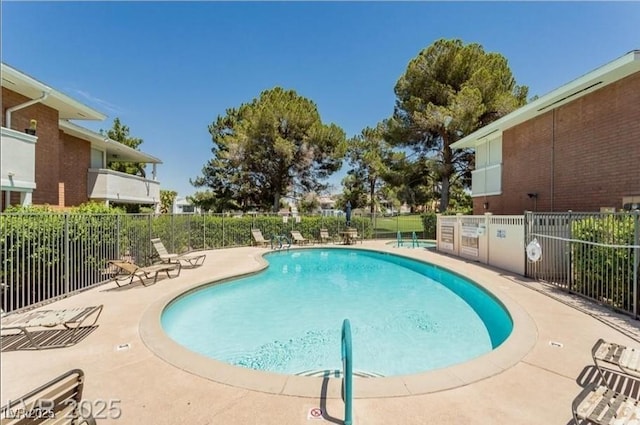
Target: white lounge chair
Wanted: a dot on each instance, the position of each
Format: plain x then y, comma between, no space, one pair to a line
71,318
625,358
599,405
258,238
193,259
325,237
298,238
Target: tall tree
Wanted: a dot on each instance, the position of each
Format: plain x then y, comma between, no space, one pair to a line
273,145
369,154
167,198
448,91
207,202
413,180
353,191
120,133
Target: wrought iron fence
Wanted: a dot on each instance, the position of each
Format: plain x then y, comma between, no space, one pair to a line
596,255
45,256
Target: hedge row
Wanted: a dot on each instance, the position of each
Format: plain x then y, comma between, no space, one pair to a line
601,272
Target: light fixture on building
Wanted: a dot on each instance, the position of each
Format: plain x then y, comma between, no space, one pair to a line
534,196
33,126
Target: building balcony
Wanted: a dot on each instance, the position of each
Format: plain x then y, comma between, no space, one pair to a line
17,161
114,186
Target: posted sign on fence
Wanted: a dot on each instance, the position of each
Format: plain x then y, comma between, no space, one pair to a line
469,242
446,237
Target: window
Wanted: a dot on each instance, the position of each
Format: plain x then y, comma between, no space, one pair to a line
97,159
486,179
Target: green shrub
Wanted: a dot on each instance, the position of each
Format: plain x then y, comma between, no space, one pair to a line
604,273
430,223
46,254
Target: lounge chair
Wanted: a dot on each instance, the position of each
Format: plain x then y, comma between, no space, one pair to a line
298,238
599,405
258,238
324,236
58,401
71,318
193,259
129,271
627,359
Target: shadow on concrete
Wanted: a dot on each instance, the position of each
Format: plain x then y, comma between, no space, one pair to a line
323,401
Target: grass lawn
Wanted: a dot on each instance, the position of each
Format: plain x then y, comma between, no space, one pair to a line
402,223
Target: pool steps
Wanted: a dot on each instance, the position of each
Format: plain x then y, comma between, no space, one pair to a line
336,373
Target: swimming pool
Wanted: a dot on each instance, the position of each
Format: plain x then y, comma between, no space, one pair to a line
406,316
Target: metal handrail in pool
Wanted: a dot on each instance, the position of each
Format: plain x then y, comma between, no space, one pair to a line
347,371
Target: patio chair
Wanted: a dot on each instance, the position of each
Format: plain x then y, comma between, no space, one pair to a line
298,238
325,237
259,240
193,259
350,236
71,319
627,359
58,401
599,405
129,271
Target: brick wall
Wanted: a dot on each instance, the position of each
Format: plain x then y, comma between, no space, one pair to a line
581,156
62,161
74,162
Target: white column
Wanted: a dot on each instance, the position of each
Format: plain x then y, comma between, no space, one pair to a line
7,198
154,171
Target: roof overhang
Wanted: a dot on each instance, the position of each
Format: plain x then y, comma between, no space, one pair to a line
67,107
116,151
594,80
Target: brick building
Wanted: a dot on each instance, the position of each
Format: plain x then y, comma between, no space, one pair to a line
48,159
576,148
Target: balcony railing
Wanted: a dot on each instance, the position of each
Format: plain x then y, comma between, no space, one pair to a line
18,156
114,186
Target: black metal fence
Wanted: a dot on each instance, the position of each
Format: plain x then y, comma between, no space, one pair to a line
49,255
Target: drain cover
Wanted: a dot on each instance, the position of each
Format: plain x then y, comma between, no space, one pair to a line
123,347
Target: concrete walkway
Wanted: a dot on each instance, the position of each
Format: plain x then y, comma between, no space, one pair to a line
538,389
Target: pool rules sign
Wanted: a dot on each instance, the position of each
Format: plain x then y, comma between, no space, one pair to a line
469,242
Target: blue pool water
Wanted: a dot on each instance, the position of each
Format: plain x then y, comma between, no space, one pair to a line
406,316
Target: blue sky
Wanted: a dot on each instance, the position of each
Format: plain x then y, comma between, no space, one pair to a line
167,69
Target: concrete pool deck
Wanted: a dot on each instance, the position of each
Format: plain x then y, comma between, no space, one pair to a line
536,389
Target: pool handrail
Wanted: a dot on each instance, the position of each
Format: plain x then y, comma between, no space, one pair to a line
400,242
277,242
347,372
414,240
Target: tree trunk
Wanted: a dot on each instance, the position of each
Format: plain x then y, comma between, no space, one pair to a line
372,188
276,202
444,194
447,172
